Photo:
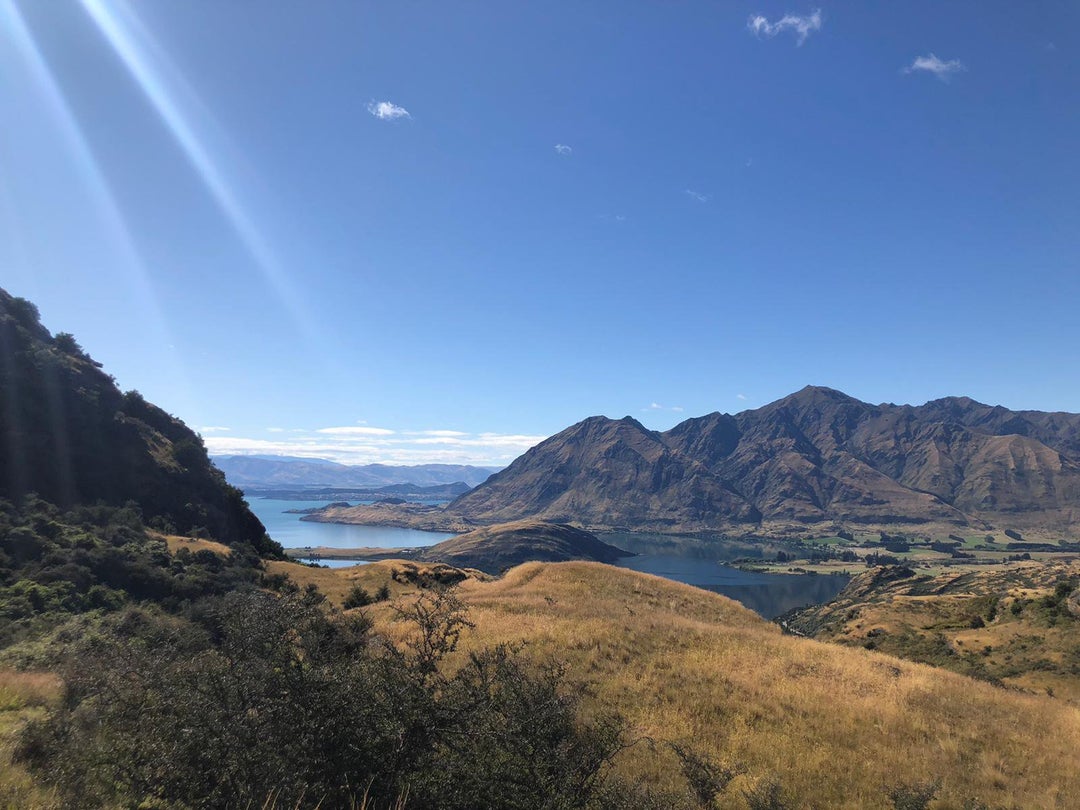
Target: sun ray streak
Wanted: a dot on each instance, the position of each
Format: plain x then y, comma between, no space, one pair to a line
164,88
104,202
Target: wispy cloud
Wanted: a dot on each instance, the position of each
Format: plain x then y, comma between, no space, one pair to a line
380,445
800,26
740,396
938,67
213,429
656,406
354,430
697,195
387,110
563,149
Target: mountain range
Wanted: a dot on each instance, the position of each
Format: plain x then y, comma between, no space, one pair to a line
815,457
270,472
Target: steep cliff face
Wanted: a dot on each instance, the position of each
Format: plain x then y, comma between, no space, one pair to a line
68,434
817,455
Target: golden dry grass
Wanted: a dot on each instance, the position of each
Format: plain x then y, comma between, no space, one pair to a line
176,542
23,695
836,725
335,583
932,622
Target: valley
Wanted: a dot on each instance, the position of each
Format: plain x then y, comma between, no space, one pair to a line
916,659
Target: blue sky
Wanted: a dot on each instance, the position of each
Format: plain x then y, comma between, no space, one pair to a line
418,232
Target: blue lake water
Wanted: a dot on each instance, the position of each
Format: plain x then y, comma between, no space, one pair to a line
292,532
701,563
693,561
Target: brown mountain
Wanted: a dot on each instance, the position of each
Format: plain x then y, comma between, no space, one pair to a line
816,456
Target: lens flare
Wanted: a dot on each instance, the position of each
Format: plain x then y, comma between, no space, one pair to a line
104,202
178,106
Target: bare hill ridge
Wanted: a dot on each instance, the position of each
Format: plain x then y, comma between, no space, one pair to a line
495,548
816,456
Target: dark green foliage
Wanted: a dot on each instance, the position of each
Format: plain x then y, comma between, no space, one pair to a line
262,697
1055,606
55,563
1013,535
68,434
357,597
913,797
383,593
524,747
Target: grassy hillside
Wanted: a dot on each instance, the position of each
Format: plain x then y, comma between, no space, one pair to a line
836,726
1017,625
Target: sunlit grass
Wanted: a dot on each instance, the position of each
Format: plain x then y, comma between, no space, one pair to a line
836,725
23,695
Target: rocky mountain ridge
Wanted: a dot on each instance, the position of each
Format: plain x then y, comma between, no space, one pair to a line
815,457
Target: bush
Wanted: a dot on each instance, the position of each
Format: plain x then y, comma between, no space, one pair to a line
913,797
262,701
766,795
357,597
707,779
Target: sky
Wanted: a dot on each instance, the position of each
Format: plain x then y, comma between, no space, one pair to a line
429,231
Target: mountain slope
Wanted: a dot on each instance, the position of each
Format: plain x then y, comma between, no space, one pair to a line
816,456
69,435
603,472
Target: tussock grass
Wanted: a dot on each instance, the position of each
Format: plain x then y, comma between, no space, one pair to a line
336,583
837,726
23,695
175,542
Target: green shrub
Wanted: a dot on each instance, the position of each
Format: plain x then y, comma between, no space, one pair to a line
357,597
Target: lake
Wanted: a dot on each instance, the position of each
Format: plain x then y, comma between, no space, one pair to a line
690,560
292,532
701,563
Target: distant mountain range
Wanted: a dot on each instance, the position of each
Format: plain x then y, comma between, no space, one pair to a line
270,472
815,457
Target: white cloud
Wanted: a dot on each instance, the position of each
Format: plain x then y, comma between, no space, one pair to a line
275,430
212,429
940,68
563,149
697,195
740,396
656,406
385,446
387,110
355,431
802,27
